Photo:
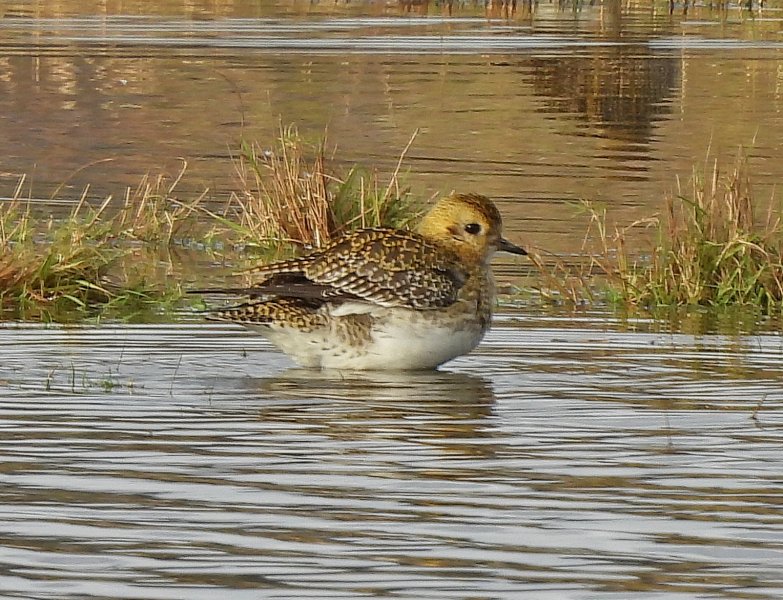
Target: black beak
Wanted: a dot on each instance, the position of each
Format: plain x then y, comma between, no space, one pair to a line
505,246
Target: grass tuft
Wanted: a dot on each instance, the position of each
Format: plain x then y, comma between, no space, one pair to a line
47,261
152,213
711,249
109,255
292,194
58,268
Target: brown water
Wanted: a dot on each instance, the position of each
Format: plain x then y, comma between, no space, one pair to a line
569,457
537,110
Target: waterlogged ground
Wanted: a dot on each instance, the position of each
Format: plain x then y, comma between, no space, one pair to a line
565,459
568,458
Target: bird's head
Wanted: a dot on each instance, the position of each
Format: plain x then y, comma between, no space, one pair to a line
468,224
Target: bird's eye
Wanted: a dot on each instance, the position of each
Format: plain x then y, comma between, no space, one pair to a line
472,228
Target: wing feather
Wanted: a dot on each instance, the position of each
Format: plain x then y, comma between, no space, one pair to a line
382,266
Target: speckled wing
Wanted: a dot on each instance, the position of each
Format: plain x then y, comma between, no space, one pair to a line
384,266
292,313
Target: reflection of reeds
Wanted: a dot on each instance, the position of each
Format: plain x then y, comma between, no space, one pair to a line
710,250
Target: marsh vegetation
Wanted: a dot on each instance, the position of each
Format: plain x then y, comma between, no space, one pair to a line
709,245
112,257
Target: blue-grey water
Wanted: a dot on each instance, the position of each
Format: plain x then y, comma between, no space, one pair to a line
562,460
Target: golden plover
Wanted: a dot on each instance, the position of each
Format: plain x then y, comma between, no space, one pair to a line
383,299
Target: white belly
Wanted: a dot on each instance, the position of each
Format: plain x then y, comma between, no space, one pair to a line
397,348
398,342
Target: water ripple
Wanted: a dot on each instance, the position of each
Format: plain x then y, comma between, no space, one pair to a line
173,461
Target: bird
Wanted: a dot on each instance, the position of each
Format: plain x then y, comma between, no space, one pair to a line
381,298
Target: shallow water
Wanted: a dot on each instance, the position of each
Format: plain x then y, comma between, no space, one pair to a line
610,102
584,458
563,459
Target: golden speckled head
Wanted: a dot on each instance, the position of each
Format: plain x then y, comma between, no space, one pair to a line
468,224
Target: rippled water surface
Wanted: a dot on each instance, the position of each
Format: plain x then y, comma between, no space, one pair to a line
562,460
578,458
